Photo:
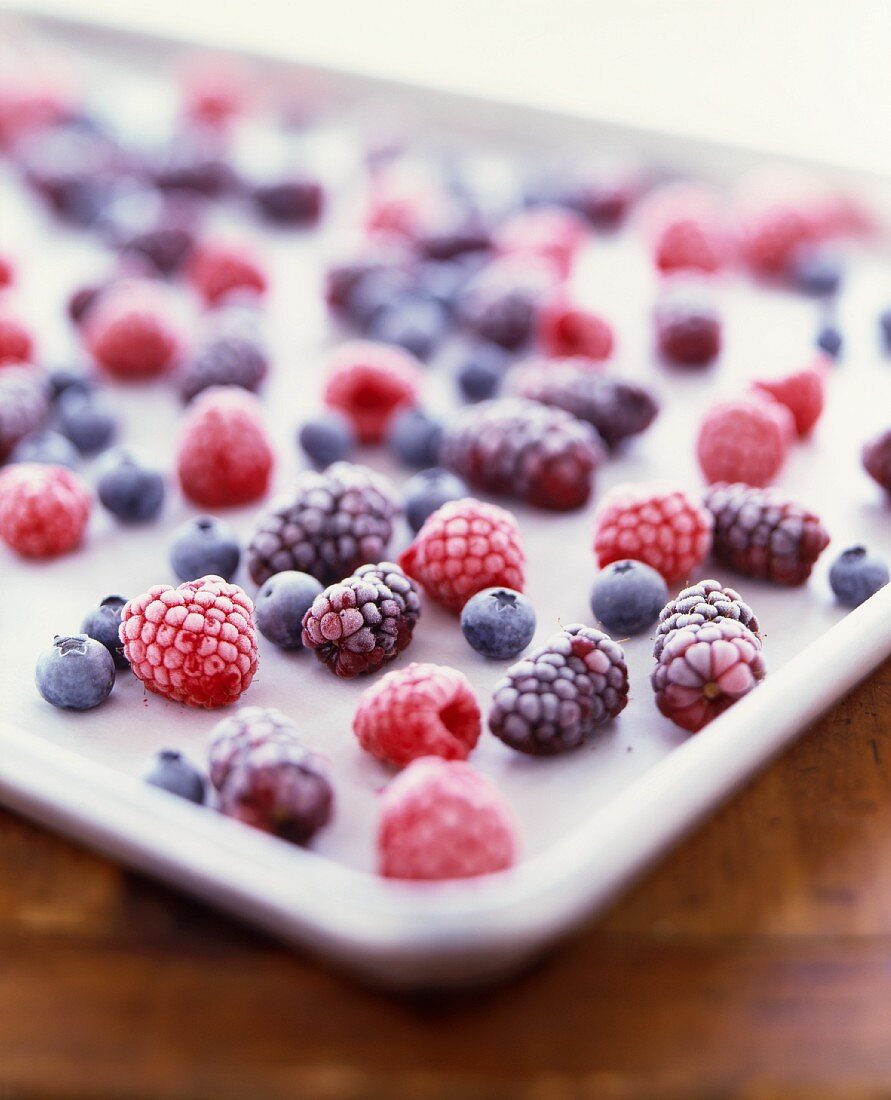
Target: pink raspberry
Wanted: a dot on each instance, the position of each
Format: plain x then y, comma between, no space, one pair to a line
16,342
218,268
224,456
772,232
686,227
404,201
566,330
43,509
129,331
803,393
656,524
421,710
746,439
195,644
7,272
546,233
369,383
464,547
703,670
440,819
214,90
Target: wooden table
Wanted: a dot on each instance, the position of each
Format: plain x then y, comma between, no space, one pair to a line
754,962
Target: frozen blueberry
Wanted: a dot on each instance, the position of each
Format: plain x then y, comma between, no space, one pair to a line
280,605
856,575
498,622
63,379
326,438
414,438
102,624
75,673
627,597
47,447
817,272
829,339
479,371
131,492
173,773
205,546
415,323
377,290
87,419
885,326
429,490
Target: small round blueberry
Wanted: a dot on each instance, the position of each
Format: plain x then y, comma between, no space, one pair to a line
280,605
829,339
498,622
885,326
856,575
173,773
429,490
817,272
75,673
414,438
415,323
102,625
479,371
87,419
326,438
131,492
63,379
46,447
203,547
627,596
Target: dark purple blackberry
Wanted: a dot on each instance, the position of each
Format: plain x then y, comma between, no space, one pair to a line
24,405
229,360
329,525
687,324
501,306
539,455
246,729
363,622
289,202
72,170
552,700
82,301
615,408
195,165
463,232
877,459
701,603
149,226
764,534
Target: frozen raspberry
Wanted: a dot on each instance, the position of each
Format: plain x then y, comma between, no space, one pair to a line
16,342
422,710
656,524
404,200
440,819
544,232
616,409
764,534
601,190
247,729
500,303
464,547
686,227
226,360
217,269
330,524
363,622
702,603
771,234
214,89
688,328
224,454
703,669
7,272
43,509
371,382
744,440
195,644
566,329
877,459
802,393
538,454
24,404
130,333
552,700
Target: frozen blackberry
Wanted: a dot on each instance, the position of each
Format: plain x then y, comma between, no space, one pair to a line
702,603
616,409
229,360
24,405
289,202
540,455
246,729
764,534
414,437
171,772
364,621
133,493
205,547
103,623
429,490
552,700
326,439
500,303
46,447
329,524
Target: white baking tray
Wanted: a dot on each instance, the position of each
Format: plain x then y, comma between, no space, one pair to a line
590,820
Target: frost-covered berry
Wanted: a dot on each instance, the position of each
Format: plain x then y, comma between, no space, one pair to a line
415,322
43,509
479,370
498,622
745,440
75,673
326,439
429,490
172,772
218,269
246,729
856,575
280,605
130,331
46,447
816,272
702,603
802,393
205,546
440,819
627,596
876,459
885,326
414,437
829,339
103,625
566,329
228,359
370,383
24,404
687,324
87,419
133,493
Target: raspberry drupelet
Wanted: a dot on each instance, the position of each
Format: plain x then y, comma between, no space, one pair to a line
43,509
746,439
803,393
369,383
464,547
195,644
421,710
129,332
702,603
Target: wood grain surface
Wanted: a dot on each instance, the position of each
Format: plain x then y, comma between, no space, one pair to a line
753,962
